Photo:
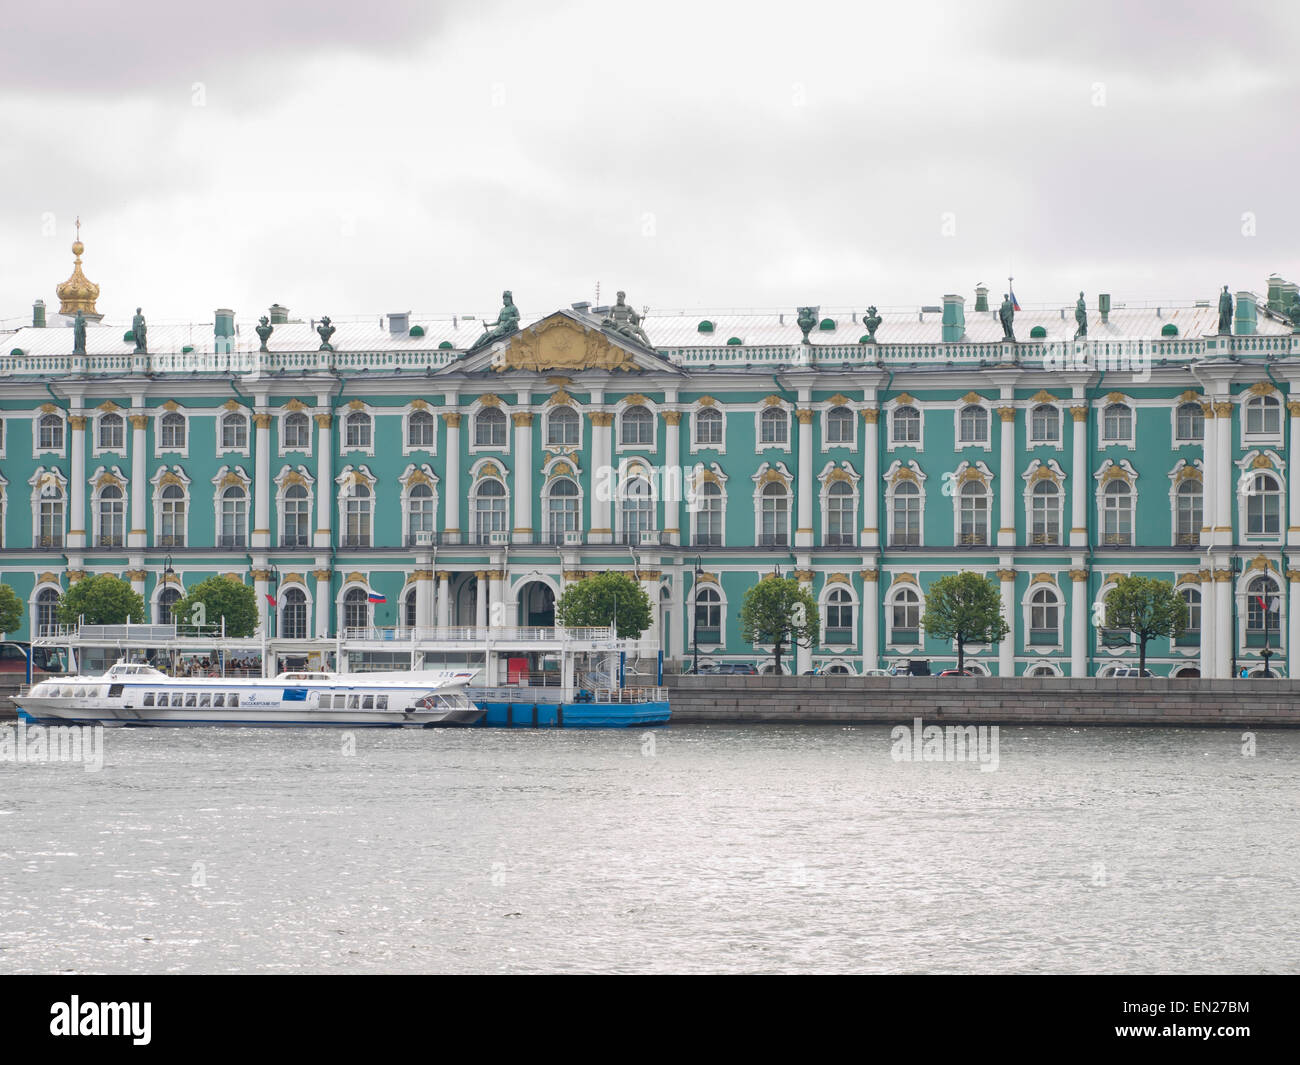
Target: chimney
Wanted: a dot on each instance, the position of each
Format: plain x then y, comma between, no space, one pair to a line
279,315
1103,305
954,318
981,298
582,306
1245,315
38,314
399,323
224,331
1276,301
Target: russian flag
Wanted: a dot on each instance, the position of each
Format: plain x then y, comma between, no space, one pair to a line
270,598
377,597
1015,303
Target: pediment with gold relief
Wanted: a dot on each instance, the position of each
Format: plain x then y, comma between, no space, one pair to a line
561,341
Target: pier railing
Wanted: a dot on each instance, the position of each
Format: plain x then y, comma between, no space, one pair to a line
477,634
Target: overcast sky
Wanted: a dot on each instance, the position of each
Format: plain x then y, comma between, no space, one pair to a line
353,159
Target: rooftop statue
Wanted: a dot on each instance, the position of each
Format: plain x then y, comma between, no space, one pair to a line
264,331
140,332
326,331
624,319
1007,316
1225,311
506,324
1081,316
872,321
79,334
807,319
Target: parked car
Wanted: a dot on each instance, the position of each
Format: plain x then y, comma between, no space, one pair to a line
727,669
1132,671
877,673
913,667
957,673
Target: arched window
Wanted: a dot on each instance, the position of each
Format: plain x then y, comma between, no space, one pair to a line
561,509
774,427
638,509
1190,514
171,512
50,531
297,432
49,433
1191,422
637,427
839,426
1191,636
774,516
563,428
166,598
357,430
112,516
419,430
112,433
47,610
973,510
1117,513
708,514
419,515
293,614
490,428
1264,504
1044,616
295,516
1260,593
1044,424
410,609
839,616
357,513
906,423
905,529
974,425
233,517
489,509
1045,513
708,427
234,431
356,609
708,614
171,432
905,616
1263,416
840,513
1117,423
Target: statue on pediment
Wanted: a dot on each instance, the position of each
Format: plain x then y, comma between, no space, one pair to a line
506,324
624,320
1007,316
326,331
872,322
264,331
1225,312
807,319
139,331
79,334
1081,319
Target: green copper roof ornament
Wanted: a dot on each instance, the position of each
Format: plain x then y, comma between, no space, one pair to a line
872,321
264,331
326,331
507,322
1225,312
807,319
1081,317
79,334
624,320
139,331
1007,316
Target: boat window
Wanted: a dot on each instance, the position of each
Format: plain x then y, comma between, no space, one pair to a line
368,702
232,699
192,699
219,699
162,698
205,699
354,702
148,699
381,702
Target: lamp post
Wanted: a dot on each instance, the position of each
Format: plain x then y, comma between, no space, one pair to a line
1234,564
699,572
1267,653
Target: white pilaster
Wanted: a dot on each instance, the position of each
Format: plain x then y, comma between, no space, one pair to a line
1080,608
262,479
1210,634
1223,481
444,598
324,479
423,599
1007,648
523,469
138,535
481,599
323,603
803,533
1007,468
1078,476
871,482
77,486
451,505
870,619
600,528
674,481
1293,487
1223,592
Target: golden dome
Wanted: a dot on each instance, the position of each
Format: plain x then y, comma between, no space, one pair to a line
78,293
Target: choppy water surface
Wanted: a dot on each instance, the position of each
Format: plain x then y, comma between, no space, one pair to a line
723,848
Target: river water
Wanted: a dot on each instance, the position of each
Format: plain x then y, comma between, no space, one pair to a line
692,848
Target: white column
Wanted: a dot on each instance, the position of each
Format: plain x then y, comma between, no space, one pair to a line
677,629
803,533
423,598
444,598
1007,648
323,603
260,579
1078,477
1293,484
262,480
1209,492
870,619
1007,475
481,603
802,653
674,481
1210,634
136,574
77,487
650,585
600,528
451,531
523,533
138,535
1223,593
871,483
1080,608
324,480
497,615
1223,477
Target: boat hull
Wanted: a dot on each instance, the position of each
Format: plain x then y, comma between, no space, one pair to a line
41,712
573,715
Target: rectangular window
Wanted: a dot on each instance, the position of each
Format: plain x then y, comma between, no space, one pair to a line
148,699
205,699
381,702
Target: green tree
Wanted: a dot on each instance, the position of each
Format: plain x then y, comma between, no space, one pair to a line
602,598
779,611
11,610
1148,608
101,599
964,607
222,597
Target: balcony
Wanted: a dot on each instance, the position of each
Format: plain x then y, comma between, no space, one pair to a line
1121,539
355,540
109,540
777,539
55,540
907,539
1052,539
838,539
706,540
171,540
1192,539
974,539
232,540
421,538
294,539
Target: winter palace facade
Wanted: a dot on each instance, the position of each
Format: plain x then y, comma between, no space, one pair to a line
466,480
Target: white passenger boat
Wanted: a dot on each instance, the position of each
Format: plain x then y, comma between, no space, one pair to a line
134,694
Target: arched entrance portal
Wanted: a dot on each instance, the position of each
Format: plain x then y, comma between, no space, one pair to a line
536,605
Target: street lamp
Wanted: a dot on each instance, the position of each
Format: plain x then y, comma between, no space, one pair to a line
1235,564
699,572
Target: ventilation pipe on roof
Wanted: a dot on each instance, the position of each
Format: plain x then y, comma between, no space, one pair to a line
279,315
582,306
38,314
399,322
224,331
954,318
1103,305
981,297
1245,316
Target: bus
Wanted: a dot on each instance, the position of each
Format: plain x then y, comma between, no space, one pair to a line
45,660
